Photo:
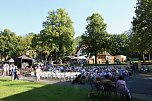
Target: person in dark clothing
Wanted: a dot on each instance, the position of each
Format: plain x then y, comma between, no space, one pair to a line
16,72
77,79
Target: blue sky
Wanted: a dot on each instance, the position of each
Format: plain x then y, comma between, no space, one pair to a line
25,16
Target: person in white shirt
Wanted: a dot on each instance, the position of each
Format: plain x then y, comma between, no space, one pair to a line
4,69
38,71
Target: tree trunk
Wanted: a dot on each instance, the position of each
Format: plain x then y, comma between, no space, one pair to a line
1,57
149,56
5,58
60,61
96,57
51,60
143,57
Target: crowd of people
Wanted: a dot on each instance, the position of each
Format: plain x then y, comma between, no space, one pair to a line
10,70
113,72
92,72
111,75
109,79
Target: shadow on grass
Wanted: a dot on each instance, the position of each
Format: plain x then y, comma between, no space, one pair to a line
50,93
53,92
5,80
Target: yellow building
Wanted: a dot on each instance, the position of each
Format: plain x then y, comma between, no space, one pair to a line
105,56
101,58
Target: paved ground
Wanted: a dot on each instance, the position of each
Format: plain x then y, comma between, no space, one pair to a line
140,83
141,86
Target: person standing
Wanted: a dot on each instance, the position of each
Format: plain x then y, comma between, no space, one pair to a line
4,69
16,73
38,71
13,72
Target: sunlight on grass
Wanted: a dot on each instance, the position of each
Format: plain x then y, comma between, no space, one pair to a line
31,91
9,87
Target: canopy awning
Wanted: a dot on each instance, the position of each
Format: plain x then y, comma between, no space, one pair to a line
25,57
11,60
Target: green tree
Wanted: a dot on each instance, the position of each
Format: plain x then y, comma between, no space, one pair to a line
3,45
15,50
10,44
41,46
36,46
142,27
77,41
29,51
119,44
77,44
95,37
59,33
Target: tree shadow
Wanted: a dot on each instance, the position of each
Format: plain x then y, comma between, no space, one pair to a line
48,92
5,80
60,91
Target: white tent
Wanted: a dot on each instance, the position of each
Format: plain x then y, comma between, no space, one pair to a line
74,58
81,57
11,60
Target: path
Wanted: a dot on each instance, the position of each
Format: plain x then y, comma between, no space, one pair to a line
141,86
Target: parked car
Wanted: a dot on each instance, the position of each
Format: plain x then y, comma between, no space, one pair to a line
144,69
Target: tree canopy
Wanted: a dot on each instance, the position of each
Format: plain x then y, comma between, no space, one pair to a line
58,34
119,44
95,37
12,45
142,27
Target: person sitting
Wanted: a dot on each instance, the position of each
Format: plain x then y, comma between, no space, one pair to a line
108,85
107,81
77,79
122,87
98,85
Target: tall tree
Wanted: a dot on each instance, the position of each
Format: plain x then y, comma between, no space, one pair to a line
29,51
59,31
37,46
119,44
95,37
8,44
41,45
142,26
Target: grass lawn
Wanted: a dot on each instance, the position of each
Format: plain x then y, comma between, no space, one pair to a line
30,91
